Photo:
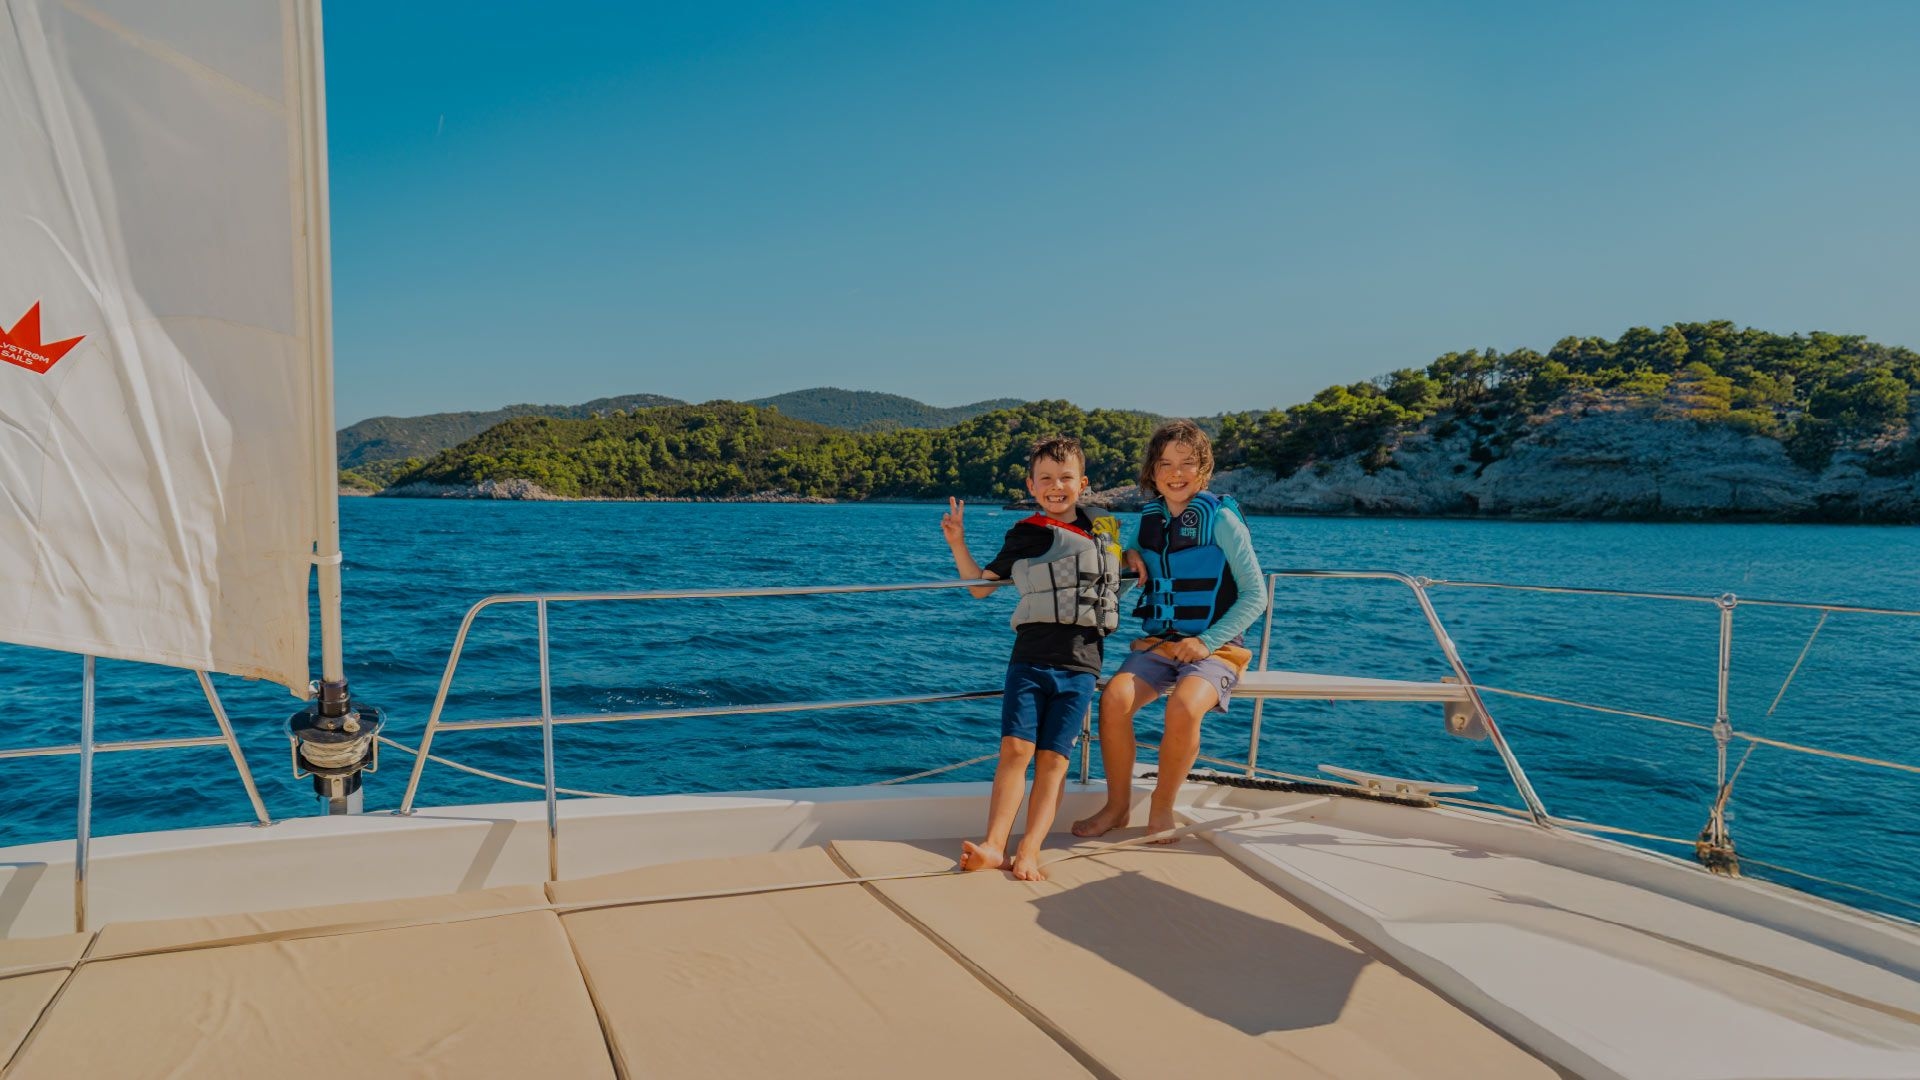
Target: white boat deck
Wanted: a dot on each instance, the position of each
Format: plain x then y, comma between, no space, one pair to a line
1138,963
1608,960
1354,938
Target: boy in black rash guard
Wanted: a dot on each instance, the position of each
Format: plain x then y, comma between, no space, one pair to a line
1065,562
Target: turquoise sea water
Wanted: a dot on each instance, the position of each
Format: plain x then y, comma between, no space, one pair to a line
413,568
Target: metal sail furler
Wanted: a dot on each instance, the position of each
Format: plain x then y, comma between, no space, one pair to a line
334,736
166,395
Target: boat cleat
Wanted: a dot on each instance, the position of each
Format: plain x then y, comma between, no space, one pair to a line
1377,784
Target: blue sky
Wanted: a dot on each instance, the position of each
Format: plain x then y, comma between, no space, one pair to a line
1187,208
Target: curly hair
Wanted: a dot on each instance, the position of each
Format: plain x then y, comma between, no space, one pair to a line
1187,434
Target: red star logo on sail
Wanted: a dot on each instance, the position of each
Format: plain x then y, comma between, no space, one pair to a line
21,346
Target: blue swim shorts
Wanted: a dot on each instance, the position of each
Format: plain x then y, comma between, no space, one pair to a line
1044,705
1162,674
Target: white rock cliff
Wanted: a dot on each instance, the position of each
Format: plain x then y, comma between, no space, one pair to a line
1604,464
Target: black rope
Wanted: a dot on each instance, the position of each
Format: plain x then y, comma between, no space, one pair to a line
1300,788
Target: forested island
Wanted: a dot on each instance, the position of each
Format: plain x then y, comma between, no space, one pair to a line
1691,421
376,448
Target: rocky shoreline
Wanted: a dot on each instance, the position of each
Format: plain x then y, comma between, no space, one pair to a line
1616,466
1611,465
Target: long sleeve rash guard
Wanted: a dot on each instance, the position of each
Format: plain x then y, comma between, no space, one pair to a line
1231,534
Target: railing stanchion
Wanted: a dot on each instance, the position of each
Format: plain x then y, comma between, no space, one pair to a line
1722,726
233,748
1086,745
440,702
546,750
1535,809
83,832
1266,639
1715,846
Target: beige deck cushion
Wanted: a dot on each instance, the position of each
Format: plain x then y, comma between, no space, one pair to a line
23,996
819,982
1173,961
491,997
161,933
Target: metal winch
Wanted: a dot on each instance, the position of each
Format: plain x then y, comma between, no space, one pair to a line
333,742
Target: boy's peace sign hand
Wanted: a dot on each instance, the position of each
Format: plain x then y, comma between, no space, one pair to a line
953,523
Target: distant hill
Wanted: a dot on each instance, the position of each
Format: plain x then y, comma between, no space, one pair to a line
866,410
727,450
392,438
397,438
1693,421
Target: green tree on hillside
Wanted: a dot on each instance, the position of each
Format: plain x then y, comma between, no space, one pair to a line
1814,392
727,450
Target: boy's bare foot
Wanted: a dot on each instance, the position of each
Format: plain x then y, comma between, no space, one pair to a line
1109,818
1026,866
1159,821
981,856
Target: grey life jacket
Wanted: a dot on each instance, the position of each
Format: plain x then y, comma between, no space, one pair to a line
1076,581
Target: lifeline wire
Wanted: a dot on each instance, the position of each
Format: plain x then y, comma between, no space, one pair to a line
1804,650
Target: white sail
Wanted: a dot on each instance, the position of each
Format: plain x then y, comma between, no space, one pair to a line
164,478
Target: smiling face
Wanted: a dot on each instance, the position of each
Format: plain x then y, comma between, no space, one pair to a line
1178,463
1057,485
1179,473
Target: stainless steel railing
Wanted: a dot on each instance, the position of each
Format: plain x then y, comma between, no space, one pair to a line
547,721
86,748
1714,848
1521,784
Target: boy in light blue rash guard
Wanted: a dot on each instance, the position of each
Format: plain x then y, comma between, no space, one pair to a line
1202,589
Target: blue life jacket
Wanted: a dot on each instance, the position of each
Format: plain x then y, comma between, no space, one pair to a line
1189,585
